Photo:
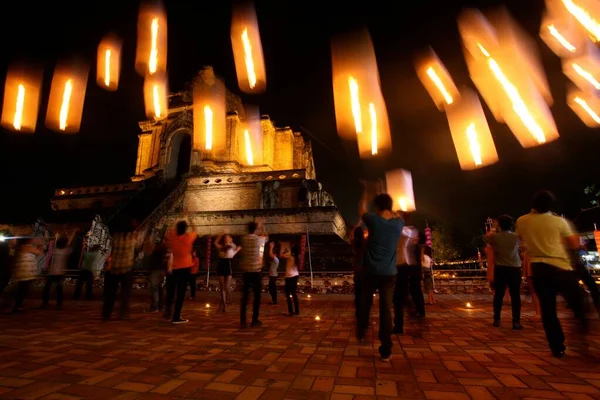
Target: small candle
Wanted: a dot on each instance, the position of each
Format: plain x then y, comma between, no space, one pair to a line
207,305
317,318
308,296
468,305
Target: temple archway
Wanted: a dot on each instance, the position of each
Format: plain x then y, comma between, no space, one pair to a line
180,155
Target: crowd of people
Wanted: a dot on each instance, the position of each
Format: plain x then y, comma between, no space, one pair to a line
391,257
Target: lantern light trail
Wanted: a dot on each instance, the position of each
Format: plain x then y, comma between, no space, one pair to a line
64,108
584,18
402,204
474,145
249,157
518,105
107,67
153,59
208,125
561,39
355,104
587,76
439,84
248,58
156,99
373,115
587,109
19,107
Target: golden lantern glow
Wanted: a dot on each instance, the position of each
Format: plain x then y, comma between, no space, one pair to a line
437,80
584,70
67,95
151,52
21,99
360,109
155,96
251,143
470,132
586,106
209,115
587,14
108,65
562,36
247,50
400,187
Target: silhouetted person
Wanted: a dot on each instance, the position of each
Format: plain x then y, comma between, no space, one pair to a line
251,263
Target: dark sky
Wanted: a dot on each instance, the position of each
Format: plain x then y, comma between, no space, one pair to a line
295,37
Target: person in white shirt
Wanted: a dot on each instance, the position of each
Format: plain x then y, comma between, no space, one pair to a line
57,269
291,257
273,274
548,241
227,250
251,263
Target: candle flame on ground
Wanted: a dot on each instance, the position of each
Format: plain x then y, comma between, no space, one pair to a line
308,296
355,104
373,115
153,58
208,126
156,99
588,109
440,85
317,318
64,108
518,104
468,305
586,75
474,146
207,305
249,59
107,67
584,18
249,157
18,120
561,39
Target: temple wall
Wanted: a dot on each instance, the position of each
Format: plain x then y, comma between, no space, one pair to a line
283,158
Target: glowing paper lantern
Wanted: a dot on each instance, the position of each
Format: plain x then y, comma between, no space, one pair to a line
437,80
209,115
487,85
584,70
151,53
476,31
67,95
470,132
251,138
108,65
155,96
360,109
585,12
247,50
562,36
21,99
400,188
586,106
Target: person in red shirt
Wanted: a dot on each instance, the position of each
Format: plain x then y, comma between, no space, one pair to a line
180,242
194,275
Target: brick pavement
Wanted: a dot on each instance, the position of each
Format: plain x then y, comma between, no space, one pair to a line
453,354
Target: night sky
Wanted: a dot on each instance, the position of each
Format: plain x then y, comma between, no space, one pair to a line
296,37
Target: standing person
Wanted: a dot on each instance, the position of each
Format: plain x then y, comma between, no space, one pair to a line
156,260
380,267
548,239
125,242
426,262
194,274
291,279
528,273
359,245
180,241
273,273
5,264
25,269
57,269
89,266
227,250
507,269
251,263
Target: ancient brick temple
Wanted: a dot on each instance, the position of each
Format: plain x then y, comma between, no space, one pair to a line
216,191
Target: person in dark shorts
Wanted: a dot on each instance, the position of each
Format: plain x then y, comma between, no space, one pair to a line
227,250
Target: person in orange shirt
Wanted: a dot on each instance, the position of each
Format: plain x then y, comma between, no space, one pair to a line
180,242
194,275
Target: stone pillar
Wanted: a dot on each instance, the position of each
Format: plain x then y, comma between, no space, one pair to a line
298,150
284,150
268,131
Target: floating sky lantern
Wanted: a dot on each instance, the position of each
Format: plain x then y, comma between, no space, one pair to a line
247,49
585,105
585,12
155,96
21,99
67,95
151,52
400,187
108,65
209,115
437,80
562,36
360,110
584,70
252,140
470,132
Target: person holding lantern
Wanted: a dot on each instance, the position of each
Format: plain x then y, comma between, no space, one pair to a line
379,267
